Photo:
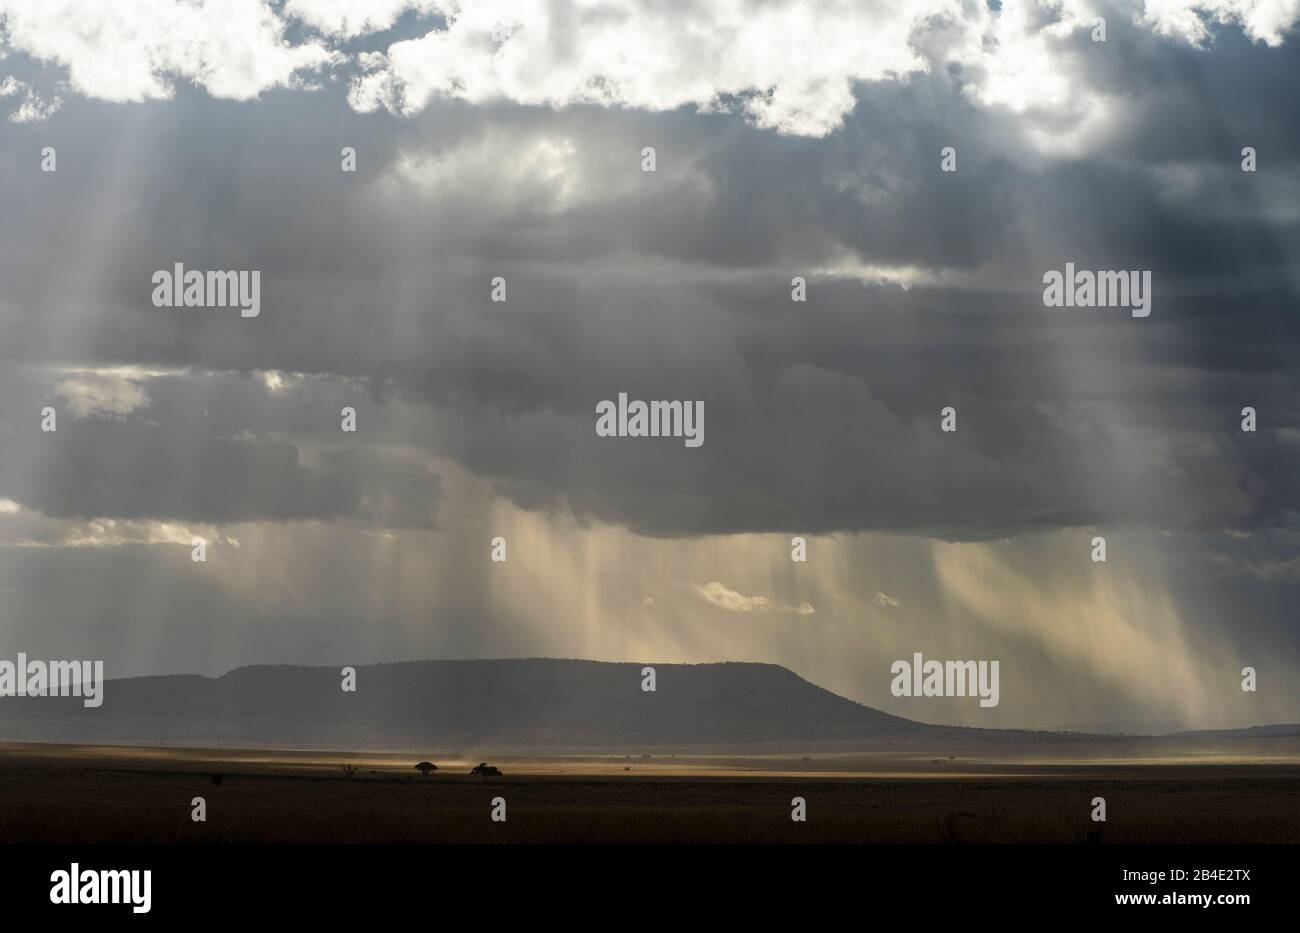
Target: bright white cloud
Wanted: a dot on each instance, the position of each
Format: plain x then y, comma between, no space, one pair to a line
1262,20
277,381
137,51
718,594
32,107
790,65
101,393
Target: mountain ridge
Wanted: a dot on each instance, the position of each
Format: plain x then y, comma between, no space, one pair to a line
472,702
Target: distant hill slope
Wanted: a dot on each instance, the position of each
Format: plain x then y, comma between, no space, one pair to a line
1251,732
421,703
466,704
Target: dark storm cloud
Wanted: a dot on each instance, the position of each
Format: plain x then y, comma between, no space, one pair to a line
192,453
821,416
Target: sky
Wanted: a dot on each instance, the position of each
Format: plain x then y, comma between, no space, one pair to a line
506,139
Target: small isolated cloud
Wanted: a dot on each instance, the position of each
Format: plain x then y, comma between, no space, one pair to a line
274,380
101,393
33,108
718,594
884,599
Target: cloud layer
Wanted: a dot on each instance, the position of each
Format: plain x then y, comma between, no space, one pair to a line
790,140
757,59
